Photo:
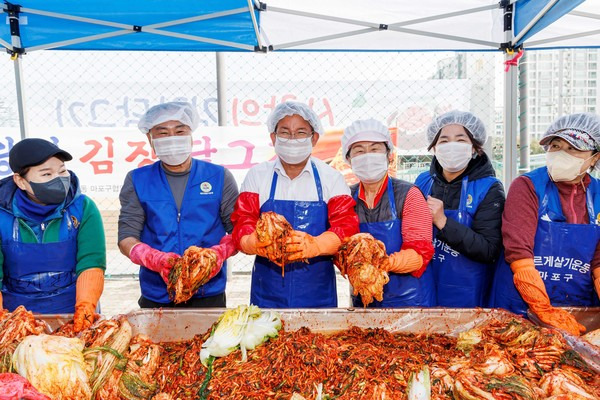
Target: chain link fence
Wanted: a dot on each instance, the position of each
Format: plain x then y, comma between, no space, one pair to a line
95,92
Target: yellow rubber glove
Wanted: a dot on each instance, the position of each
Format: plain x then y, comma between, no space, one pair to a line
251,245
403,262
89,287
530,285
301,245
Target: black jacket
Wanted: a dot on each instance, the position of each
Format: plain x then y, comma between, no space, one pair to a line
483,241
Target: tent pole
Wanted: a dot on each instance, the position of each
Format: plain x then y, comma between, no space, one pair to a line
221,96
510,125
524,148
15,35
20,96
510,105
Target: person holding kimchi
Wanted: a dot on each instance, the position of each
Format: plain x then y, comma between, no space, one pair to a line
173,204
551,228
313,198
393,211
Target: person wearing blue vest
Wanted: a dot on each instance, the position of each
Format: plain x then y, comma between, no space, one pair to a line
466,202
551,228
53,248
393,211
315,200
173,204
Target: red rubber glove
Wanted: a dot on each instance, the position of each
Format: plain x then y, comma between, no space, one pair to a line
224,250
88,290
301,245
250,244
403,262
531,287
153,259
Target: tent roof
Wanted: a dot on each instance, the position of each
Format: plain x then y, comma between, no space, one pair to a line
332,25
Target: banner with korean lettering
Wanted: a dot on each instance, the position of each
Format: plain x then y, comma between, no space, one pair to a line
102,157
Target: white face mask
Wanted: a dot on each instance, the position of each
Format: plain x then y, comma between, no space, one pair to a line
293,151
564,167
454,156
173,150
370,167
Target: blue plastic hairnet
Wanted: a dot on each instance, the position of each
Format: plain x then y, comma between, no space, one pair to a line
294,108
173,111
467,119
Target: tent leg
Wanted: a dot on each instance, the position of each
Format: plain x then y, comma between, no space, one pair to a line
524,148
510,125
221,95
20,96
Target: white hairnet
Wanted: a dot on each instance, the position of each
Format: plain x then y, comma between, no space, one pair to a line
294,108
173,111
367,130
467,119
581,130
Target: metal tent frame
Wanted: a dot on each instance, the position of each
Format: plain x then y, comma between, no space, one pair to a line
263,44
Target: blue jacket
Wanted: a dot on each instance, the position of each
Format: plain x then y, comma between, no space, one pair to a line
198,223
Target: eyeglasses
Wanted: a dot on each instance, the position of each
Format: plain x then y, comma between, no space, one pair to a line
300,136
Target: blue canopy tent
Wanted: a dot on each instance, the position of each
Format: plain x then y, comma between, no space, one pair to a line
310,25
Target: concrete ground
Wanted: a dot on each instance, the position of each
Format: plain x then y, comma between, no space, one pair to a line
121,294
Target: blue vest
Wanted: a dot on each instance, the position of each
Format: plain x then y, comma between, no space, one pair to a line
41,276
403,290
562,252
460,281
305,285
198,223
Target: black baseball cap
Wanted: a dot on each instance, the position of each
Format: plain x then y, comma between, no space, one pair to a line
33,151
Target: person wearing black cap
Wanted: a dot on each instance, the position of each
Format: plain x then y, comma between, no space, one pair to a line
53,252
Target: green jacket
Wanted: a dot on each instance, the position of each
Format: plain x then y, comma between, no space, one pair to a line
91,243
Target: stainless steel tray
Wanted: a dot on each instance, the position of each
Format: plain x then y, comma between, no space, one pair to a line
588,317
165,325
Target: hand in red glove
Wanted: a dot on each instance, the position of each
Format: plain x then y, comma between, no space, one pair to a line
531,287
224,250
89,287
85,316
301,245
153,259
250,244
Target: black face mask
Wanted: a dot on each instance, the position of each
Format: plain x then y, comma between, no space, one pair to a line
52,192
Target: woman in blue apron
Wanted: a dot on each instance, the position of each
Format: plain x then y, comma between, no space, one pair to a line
551,228
466,202
313,198
393,211
53,249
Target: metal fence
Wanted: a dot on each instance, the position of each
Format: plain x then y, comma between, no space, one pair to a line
92,90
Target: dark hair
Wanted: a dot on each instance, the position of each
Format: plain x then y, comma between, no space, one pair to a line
23,171
478,148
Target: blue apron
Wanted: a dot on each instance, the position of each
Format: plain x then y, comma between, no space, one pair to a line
41,276
167,229
304,285
460,281
562,252
403,290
